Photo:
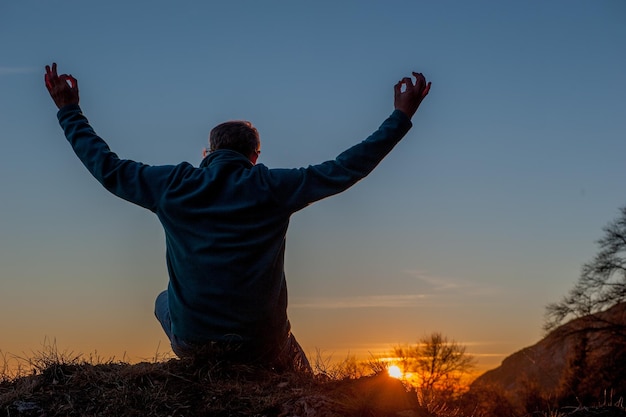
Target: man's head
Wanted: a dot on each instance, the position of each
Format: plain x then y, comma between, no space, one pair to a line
239,136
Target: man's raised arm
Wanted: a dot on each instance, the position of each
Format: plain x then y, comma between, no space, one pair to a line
300,187
133,181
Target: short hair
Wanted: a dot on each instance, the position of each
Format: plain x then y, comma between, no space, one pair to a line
236,135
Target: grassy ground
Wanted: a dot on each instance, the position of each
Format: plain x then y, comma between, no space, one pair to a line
52,384
63,385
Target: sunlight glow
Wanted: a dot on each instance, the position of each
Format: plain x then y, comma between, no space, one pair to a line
394,372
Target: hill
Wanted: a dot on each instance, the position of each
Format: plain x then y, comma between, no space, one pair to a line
582,361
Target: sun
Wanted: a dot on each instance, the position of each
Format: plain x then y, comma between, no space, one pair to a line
394,371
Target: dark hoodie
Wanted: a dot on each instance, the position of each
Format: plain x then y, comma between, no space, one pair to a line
225,225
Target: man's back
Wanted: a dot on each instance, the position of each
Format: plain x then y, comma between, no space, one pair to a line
225,235
225,226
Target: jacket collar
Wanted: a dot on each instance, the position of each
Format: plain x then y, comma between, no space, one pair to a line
224,156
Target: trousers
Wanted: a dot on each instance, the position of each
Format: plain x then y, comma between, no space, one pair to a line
287,355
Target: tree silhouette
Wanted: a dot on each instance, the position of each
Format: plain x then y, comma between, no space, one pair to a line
602,281
438,364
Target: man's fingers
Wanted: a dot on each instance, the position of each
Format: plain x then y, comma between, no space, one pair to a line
73,83
420,80
66,78
421,84
425,90
51,76
397,89
47,77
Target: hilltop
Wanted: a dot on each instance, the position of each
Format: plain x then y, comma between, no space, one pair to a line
179,388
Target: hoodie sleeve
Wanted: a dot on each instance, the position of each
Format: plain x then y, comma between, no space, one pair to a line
300,187
133,181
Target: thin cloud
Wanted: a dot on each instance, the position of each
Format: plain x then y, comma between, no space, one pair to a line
17,70
363,301
439,291
448,285
483,343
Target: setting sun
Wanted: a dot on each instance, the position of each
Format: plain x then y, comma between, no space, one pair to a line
394,372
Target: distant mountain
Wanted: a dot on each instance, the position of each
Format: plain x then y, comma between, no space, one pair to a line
582,361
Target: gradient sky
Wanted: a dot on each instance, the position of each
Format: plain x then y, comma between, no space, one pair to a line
481,216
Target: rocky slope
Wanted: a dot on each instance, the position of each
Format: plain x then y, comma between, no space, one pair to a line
583,360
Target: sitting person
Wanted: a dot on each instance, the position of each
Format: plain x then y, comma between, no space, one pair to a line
225,224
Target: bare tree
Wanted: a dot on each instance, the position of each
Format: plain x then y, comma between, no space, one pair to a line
602,281
438,363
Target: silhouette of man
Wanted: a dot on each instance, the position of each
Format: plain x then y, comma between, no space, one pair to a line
225,224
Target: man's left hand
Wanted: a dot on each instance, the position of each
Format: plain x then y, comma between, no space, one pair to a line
62,88
409,100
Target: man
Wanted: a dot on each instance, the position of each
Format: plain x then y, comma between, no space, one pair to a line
225,224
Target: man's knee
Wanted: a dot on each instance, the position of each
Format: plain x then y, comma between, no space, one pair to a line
161,305
162,313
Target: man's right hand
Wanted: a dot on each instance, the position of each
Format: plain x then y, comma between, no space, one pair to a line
62,88
409,100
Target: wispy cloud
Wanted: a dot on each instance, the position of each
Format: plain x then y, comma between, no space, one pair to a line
17,70
363,301
447,285
434,291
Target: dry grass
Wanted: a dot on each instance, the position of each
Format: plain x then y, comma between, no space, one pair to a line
53,383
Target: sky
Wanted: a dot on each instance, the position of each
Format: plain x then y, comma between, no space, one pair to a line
481,216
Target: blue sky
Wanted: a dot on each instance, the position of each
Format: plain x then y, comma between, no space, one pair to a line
479,218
